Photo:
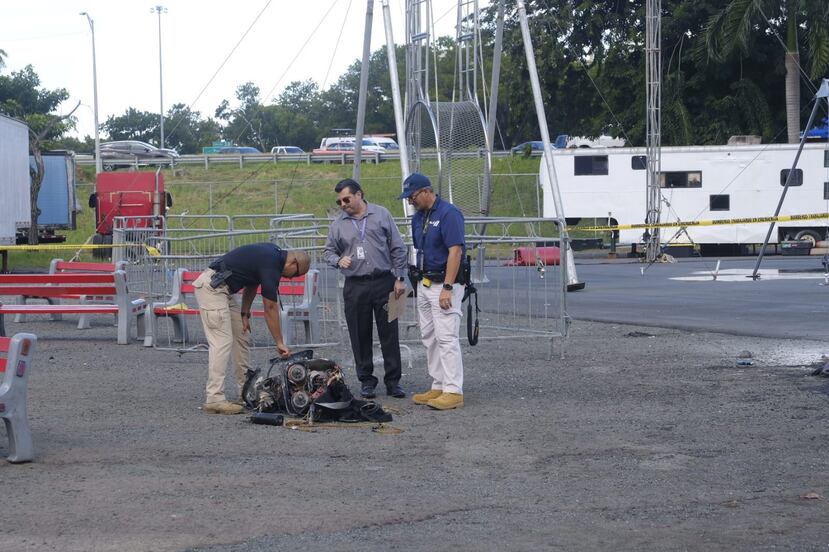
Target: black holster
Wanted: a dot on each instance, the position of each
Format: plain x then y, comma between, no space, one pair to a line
221,274
415,275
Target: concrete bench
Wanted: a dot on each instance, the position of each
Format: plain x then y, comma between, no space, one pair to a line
112,285
15,362
303,306
59,266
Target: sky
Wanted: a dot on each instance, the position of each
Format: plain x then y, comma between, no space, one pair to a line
289,41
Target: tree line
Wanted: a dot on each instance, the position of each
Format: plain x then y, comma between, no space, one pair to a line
728,68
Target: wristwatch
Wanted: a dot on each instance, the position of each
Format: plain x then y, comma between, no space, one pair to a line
401,279
447,287
245,315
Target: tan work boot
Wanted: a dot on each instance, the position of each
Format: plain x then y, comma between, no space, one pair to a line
423,398
223,407
446,401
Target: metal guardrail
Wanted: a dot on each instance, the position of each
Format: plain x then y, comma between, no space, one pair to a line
306,158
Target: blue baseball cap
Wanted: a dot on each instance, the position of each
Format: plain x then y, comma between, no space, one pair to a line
413,183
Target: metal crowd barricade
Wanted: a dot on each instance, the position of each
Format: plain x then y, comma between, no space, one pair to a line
520,296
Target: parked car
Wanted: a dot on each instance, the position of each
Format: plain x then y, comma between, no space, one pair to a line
339,148
535,145
280,150
137,150
239,149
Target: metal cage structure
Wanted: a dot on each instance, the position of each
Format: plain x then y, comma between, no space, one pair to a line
447,142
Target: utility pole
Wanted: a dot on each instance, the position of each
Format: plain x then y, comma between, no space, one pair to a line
98,162
159,10
361,98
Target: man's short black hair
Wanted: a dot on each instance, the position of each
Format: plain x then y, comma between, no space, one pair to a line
352,185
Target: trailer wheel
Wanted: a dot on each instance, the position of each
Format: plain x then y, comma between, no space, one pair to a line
808,235
102,252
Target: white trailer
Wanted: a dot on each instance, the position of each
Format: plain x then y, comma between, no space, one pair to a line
698,183
15,205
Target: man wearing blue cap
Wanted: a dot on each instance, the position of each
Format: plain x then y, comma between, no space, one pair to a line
438,235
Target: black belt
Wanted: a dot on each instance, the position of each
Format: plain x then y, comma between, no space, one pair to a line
435,276
374,276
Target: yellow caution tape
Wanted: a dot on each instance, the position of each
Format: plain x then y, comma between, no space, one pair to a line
154,252
750,220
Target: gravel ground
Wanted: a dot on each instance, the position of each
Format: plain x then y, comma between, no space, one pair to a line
639,439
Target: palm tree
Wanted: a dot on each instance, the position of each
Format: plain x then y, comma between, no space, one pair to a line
732,29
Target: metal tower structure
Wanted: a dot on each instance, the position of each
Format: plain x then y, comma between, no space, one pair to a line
653,70
418,48
467,62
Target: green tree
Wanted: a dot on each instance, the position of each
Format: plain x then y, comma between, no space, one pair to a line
735,30
133,125
243,123
189,132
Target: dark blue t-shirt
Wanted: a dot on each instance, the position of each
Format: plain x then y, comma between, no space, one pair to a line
257,264
434,232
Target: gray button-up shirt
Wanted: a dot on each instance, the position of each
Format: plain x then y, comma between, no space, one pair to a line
382,243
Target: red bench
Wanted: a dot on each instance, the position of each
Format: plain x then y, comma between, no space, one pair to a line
59,266
304,306
15,361
112,285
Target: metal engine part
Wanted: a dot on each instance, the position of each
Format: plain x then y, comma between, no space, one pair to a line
295,385
300,401
296,373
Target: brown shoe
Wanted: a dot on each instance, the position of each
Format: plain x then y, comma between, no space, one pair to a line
447,401
223,407
423,398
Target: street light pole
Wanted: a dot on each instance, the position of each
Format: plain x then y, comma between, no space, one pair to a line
98,162
159,10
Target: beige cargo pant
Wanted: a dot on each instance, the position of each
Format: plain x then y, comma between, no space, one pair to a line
440,333
221,317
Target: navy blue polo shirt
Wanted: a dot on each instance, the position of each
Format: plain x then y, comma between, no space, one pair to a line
434,232
257,264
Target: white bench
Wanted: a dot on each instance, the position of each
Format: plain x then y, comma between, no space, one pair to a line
15,362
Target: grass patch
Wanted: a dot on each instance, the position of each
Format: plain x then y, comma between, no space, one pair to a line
267,188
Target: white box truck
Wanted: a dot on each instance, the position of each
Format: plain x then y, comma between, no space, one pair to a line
15,182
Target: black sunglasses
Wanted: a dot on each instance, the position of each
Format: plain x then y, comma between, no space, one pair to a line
345,200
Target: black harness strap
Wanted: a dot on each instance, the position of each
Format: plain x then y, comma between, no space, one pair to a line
472,329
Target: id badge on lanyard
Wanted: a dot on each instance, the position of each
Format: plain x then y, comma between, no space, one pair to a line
361,251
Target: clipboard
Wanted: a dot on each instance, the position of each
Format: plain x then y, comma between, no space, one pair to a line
397,306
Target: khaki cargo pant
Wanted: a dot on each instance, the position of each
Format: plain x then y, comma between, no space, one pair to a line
440,333
221,317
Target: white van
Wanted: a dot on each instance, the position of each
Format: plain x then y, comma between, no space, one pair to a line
379,144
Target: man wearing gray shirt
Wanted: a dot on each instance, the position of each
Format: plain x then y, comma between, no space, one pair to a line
365,244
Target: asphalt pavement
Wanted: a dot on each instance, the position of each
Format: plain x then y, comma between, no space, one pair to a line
790,300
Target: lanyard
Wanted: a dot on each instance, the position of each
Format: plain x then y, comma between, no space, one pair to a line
361,231
426,220
421,252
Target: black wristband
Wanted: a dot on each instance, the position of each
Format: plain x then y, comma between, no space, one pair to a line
245,315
